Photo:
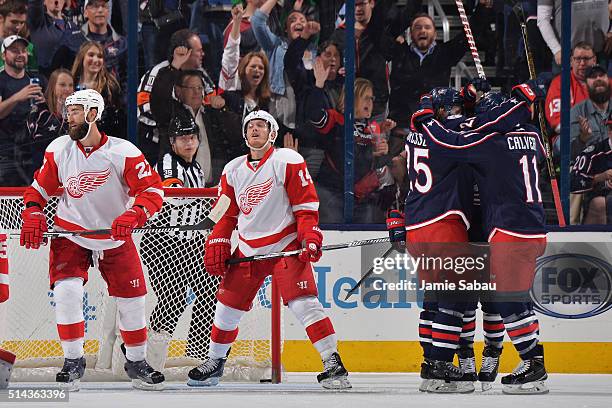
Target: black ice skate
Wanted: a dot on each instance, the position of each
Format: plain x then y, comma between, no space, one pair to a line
143,376
527,378
489,367
448,378
71,373
467,363
208,373
334,375
425,375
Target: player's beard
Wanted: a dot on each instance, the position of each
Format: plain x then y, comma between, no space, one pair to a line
79,132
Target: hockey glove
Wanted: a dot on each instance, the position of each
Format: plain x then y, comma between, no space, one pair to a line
312,241
469,93
34,226
122,227
396,229
424,113
530,92
217,252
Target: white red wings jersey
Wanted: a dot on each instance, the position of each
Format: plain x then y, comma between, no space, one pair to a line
273,204
98,186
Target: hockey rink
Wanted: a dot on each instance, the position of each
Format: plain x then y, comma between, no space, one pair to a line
301,390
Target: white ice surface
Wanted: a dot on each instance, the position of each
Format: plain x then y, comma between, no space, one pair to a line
301,390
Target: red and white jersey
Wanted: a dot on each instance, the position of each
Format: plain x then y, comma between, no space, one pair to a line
272,203
99,185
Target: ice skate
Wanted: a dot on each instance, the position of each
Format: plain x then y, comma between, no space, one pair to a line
208,373
143,376
425,375
334,375
527,378
447,378
489,367
71,373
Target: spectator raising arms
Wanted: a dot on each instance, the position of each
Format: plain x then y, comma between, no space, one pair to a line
248,42
424,64
89,72
283,97
48,122
254,85
56,37
371,173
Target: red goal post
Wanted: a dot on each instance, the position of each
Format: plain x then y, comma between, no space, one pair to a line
27,323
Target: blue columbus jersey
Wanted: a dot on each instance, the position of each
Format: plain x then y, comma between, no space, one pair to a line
593,160
441,185
505,163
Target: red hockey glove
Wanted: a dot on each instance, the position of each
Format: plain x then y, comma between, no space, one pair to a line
122,227
216,253
34,226
469,93
312,241
530,92
396,228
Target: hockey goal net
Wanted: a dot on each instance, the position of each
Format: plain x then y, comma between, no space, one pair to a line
180,303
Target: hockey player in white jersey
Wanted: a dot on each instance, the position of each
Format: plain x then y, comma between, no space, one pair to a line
101,175
275,206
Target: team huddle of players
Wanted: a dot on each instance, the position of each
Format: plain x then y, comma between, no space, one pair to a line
448,153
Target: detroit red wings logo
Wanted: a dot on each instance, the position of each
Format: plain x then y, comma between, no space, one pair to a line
86,182
253,195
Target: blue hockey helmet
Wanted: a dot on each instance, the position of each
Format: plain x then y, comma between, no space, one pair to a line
446,98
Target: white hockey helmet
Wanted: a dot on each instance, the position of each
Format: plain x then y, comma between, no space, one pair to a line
88,98
263,115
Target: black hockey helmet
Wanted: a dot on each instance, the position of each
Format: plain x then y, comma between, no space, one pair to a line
182,123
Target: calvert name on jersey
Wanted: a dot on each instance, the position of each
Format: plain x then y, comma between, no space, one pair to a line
98,186
271,203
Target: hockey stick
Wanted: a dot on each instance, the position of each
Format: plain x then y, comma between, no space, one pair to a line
294,252
470,39
520,15
368,273
213,217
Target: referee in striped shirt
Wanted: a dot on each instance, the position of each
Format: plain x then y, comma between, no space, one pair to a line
175,283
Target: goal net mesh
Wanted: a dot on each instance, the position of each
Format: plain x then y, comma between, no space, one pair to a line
180,302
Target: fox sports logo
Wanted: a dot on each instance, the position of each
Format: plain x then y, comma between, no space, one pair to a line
572,286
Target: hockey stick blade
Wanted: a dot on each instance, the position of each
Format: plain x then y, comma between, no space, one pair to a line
213,217
367,275
286,254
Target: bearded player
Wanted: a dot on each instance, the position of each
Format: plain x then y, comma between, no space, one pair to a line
101,175
275,206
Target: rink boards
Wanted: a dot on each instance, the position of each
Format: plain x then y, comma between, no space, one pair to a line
380,334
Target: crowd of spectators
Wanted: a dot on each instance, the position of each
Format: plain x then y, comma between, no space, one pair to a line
217,60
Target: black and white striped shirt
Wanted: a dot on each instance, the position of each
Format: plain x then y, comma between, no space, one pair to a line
176,172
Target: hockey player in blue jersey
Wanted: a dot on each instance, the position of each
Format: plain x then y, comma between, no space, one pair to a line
505,168
437,212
